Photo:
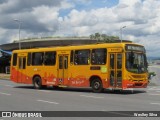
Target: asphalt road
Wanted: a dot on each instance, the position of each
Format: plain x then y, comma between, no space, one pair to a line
20,97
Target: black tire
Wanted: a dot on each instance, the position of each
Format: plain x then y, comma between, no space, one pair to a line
56,87
117,91
37,83
97,86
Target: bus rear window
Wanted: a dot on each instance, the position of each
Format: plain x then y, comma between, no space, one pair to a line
14,62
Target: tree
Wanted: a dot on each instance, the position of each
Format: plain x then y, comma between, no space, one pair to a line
97,36
103,37
92,37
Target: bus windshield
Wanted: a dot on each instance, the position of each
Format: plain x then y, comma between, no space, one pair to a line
136,62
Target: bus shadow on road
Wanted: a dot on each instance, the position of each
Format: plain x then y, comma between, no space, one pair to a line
85,90
24,87
125,92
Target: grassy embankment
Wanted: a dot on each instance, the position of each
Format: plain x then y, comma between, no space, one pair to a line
4,76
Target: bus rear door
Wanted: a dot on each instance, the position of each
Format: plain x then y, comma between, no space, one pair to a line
63,69
115,69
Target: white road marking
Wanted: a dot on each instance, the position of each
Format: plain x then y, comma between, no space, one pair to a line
47,102
155,66
154,94
9,85
153,88
44,91
90,96
4,93
155,103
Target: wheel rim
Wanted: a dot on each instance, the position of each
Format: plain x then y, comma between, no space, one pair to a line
96,85
37,83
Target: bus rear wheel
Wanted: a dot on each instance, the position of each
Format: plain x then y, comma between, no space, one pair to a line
37,83
97,85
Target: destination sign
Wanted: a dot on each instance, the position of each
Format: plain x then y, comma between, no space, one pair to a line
114,49
135,48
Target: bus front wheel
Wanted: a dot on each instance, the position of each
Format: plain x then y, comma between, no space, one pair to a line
97,86
37,82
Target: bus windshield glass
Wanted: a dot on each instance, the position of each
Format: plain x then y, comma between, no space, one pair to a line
136,62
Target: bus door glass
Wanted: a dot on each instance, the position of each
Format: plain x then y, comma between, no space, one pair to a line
21,67
63,69
115,66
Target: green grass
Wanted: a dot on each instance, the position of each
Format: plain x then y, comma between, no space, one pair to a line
5,76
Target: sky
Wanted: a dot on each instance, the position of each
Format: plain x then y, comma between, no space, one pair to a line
43,18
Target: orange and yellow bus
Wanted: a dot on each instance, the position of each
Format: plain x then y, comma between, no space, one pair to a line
99,66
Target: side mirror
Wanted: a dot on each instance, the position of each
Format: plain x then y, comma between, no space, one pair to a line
151,75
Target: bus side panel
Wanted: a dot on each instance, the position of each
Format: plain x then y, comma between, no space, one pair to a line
24,78
27,79
46,73
79,81
50,76
79,76
105,83
14,74
20,76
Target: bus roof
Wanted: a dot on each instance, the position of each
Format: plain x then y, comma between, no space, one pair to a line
97,45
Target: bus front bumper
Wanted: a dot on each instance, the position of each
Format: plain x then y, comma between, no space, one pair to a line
130,84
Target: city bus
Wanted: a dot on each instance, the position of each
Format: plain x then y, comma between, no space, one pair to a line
99,66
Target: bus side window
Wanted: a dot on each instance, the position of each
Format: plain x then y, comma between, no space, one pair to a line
50,58
98,56
29,59
82,57
72,57
14,62
37,58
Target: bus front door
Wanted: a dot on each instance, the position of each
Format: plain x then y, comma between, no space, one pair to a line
21,67
63,69
115,72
